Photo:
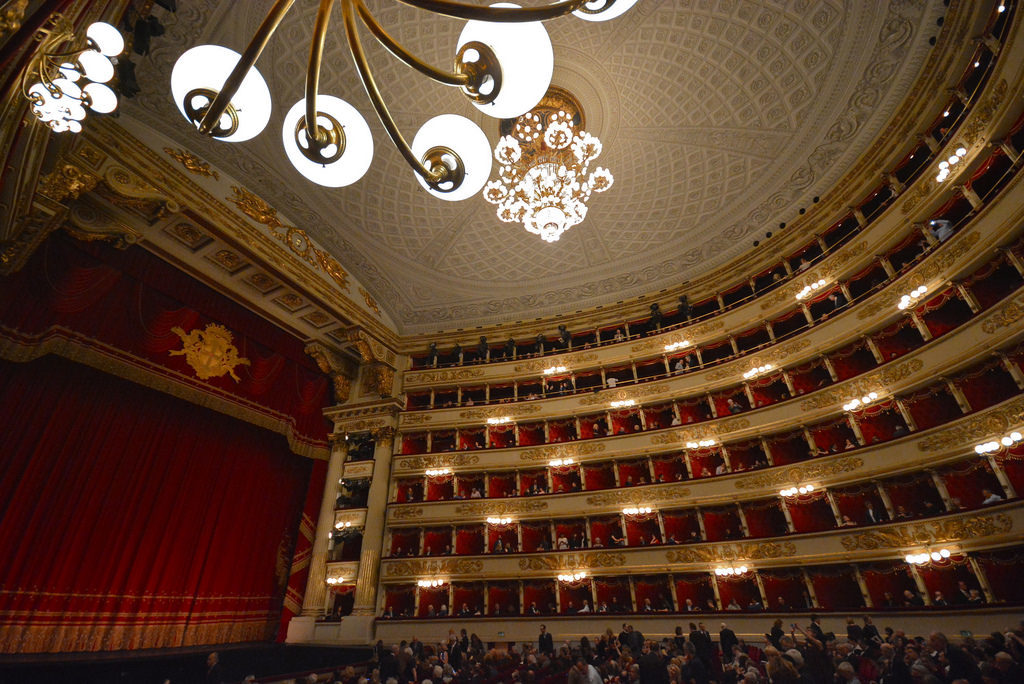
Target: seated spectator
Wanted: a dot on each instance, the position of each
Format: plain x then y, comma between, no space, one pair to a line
734,406
619,336
912,599
733,605
990,497
939,599
847,522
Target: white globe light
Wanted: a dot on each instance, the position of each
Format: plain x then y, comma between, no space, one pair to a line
358,154
944,553
101,98
208,66
96,67
70,71
464,138
527,61
107,38
618,8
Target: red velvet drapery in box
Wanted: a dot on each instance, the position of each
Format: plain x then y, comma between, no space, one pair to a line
603,529
469,540
599,476
898,339
811,513
503,598
769,390
669,468
539,597
853,502
632,473
809,377
400,599
1004,569
1012,462
682,526
944,312
536,536
914,495
991,283
613,593
533,478
693,410
405,542
472,439
658,417
436,541
409,491
653,593
932,406
852,360
508,534
565,479
835,587
987,386
722,524
574,596
432,600
704,462
561,430
642,530
501,485
943,576
833,436
765,518
785,584
881,422
965,481
573,531
891,578
746,455
741,588
133,519
501,436
789,448
440,488
467,598
694,592
531,434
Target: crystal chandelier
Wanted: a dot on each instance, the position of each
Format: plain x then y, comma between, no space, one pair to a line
503,63
545,178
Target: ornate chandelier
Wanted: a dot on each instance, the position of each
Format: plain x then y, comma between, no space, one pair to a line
545,168
503,63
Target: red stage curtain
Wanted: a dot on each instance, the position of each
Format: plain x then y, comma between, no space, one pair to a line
932,406
539,595
966,479
987,385
743,588
836,587
811,513
1004,570
892,577
788,448
786,584
697,588
599,476
469,540
405,542
168,525
765,518
534,535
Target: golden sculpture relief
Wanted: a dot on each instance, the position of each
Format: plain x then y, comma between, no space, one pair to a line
500,507
872,382
11,16
773,356
445,461
1004,315
537,365
342,388
800,473
922,189
192,163
453,375
448,566
370,301
210,352
906,535
378,379
573,561
721,553
562,451
976,428
637,392
296,239
66,181
415,419
406,513
981,115
498,411
691,333
638,495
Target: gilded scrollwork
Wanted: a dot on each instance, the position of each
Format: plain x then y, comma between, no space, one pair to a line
905,535
976,428
638,392
66,181
514,410
441,461
1004,315
562,451
638,495
570,360
774,356
448,566
500,507
721,553
452,375
981,115
192,163
370,301
800,473
693,334
873,382
573,561
209,352
406,512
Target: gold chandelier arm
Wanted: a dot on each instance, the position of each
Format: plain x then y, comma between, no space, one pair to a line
316,55
461,10
245,62
395,48
365,75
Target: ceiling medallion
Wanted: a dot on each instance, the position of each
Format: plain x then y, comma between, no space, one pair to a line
545,178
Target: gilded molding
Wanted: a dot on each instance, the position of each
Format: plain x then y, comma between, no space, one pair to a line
827,270
11,16
774,355
451,375
499,411
691,334
209,352
958,529
721,553
441,461
538,365
636,392
370,301
406,512
66,181
872,382
362,424
639,495
562,451
982,114
448,566
976,428
501,507
922,189
192,163
416,419
573,561
1004,315
800,473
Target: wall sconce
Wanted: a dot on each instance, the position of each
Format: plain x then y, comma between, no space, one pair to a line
623,403
754,372
731,571
499,421
908,299
854,404
701,444
551,370
1006,441
797,491
556,462
499,521
677,345
927,557
430,583
334,581
947,164
813,287
438,472
637,510
569,578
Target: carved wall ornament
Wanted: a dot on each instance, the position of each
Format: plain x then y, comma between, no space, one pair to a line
977,428
537,365
800,473
416,418
188,235
499,411
826,270
370,348
500,507
924,187
342,388
11,16
981,115
452,375
958,529
361,424
637,495
1004,315
693,334
693,434
209,352
384,434
378,378
773,356
573,561
733,424
721,553
88,223
66,181
406,513
561,451
448,566
370,301
872,382
442,461
297,240
192,163
638,393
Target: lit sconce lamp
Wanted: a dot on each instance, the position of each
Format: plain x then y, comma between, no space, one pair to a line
946,164
1006,441
65,84
701,444
333,581
855,404
796,491
731,571
439,472
551,370
926,557
342,525
813,287
430,584
555,462
624,403
754,372
572,577
908,299
677,345
637,510
499,421
499,521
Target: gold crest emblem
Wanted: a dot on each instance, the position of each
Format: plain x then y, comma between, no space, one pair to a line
210,352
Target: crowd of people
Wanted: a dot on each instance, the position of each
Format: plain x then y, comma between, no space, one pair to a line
800,655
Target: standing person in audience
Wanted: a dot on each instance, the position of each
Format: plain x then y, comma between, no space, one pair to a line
545,642
656,318
684,308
